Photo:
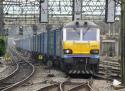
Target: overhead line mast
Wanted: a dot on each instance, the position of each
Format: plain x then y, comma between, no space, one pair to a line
123,40
77,10
1,18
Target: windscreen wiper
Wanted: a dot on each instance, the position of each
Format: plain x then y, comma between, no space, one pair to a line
76,31
86,31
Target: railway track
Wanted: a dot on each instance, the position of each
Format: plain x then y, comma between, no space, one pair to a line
69,86
110,68
24,71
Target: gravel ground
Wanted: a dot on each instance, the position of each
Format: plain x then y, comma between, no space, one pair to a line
6,68
41,79
7,71
103,85
2,68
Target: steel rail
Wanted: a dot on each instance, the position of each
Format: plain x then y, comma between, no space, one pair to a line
50,87
60,87
84,86
66,83
81,86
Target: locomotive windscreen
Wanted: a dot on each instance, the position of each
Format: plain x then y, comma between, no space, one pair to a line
81,34
73,34
90,34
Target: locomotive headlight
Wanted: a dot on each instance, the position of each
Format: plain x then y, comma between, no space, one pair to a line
67,51
94,51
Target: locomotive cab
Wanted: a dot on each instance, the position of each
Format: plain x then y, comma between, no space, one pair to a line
81,45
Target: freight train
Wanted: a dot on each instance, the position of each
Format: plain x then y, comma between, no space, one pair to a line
75,47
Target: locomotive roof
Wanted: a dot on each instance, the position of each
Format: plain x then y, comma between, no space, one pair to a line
81,24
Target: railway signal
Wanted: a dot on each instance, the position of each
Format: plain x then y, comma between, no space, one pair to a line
21,30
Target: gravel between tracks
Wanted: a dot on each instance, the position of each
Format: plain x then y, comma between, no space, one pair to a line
7,71
7,68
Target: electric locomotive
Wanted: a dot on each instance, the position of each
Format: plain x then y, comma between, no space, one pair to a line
81,46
